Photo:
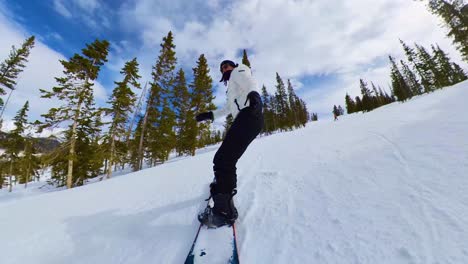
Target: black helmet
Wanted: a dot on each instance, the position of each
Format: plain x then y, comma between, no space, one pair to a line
228,62
227,74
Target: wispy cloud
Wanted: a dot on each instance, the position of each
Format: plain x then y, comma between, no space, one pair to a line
88,12
90,5
41,69
303,40
55,36
346,40
59,6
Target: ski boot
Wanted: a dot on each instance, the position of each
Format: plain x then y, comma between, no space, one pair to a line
222,213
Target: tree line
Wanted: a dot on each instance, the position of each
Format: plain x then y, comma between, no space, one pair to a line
130,130
144,130
283,110
423,72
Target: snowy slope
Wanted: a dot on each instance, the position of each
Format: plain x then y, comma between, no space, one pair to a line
389,186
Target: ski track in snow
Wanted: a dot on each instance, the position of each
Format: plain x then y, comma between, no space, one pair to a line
387,186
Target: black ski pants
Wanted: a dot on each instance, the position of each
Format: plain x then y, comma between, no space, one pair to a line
246,126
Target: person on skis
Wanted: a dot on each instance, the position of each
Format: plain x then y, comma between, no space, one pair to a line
243,101
335,112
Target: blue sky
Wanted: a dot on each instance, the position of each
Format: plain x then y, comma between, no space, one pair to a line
323,46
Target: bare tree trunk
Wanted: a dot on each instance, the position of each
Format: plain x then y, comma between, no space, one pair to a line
137,109
4,106
72,147
295,118
27,175
142,136
105,165
10,180
28,160
129,131
71,156
111,158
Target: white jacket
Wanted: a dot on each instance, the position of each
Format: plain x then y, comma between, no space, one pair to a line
240,85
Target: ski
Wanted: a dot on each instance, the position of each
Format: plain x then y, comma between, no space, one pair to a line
214,245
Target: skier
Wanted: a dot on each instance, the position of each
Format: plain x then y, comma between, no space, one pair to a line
243,101
336,112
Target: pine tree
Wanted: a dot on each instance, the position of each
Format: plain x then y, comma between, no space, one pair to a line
359,106
275,116
366,96
134,155
410,79
75,90
15,143
29,163
202,97
384,96
375,97
122,101
418,66
245,59
399,86
218,137
350,104
340,110
227,124
455,17
302,112
90,154
12,67
294,107
428,69
181,104
161,87
281,103
267,112
458,74
2,173
166,133
448,73
191,132
21,122
390,97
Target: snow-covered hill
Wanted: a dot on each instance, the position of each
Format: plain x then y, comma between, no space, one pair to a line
389,186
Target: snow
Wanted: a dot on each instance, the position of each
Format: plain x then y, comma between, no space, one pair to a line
389,186
207,252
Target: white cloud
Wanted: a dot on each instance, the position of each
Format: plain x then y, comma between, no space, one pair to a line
61,9
41,69
77,6
55,36
348,40
89,12
322,37
90,5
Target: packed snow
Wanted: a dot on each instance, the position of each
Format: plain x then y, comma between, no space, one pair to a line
389,186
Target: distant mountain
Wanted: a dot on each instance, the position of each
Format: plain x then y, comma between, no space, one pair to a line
43,145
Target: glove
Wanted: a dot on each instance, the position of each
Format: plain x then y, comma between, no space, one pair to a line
204,116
